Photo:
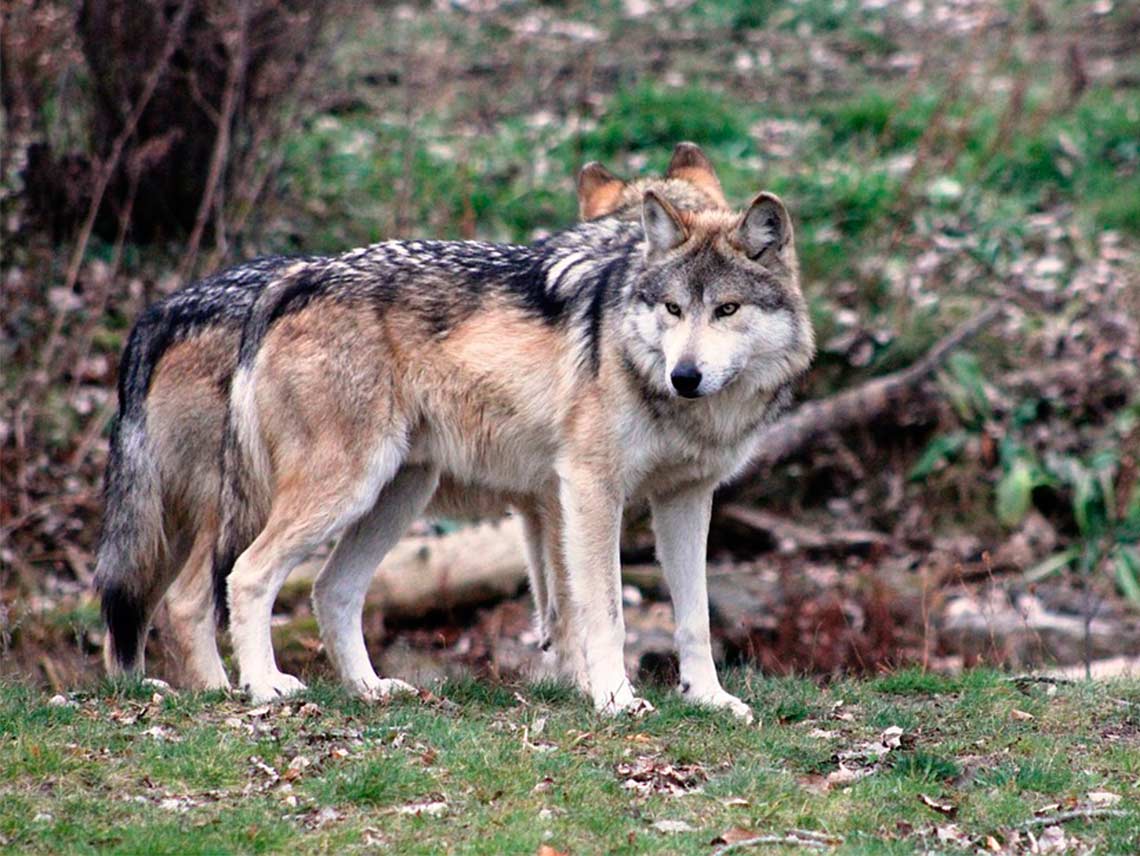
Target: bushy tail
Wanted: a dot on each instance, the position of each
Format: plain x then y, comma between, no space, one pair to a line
132,545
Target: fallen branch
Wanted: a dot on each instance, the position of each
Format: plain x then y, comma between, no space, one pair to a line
785,531
795,838
426,573
814,419
1075,814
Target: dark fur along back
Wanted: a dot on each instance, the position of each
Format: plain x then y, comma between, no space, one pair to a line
571,278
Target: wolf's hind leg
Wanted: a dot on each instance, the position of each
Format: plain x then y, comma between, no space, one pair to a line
342,585
311,507
564,639
191,621
536,572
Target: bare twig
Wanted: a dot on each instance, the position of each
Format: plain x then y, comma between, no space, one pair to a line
864,403
235,76
1075,814
794,838
107,172
783,529
269,134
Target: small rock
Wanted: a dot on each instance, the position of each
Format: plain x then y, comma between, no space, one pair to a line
671,827
434,808
1101,798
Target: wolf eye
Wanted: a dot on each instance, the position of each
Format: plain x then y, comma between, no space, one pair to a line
726,309
673,309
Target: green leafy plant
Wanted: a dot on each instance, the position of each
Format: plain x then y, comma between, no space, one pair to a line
1109,530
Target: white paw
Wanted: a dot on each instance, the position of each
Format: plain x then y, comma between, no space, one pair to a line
212,677
378,689
572,667
273,688
718,698
622,700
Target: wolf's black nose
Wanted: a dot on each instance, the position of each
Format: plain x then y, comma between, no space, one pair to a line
686,379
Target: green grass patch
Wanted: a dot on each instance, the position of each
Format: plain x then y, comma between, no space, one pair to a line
503,768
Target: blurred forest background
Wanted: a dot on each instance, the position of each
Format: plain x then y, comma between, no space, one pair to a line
965,181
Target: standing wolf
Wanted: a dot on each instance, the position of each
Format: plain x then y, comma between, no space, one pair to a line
613,361
162,480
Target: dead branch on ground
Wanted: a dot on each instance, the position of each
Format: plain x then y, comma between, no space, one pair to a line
863,404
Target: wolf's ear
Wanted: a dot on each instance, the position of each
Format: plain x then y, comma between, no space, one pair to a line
690,164
663,227
765,226
599,191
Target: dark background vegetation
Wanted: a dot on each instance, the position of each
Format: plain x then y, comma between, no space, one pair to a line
938,158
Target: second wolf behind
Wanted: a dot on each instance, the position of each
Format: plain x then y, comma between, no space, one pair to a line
614,361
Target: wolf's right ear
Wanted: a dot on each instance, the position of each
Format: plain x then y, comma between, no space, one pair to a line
663,227
690,164
599,191
766,225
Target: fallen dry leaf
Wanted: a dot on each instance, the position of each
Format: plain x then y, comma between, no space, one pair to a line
648,775
945,808
733,836
544,785
1021,715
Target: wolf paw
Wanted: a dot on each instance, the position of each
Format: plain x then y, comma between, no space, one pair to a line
719,699
379,689
273,688
623,701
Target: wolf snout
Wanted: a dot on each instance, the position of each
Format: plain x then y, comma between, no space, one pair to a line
686,378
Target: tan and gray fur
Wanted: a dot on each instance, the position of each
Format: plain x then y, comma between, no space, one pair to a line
162,478
611,362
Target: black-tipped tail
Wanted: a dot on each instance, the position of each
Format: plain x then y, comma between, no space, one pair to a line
125,614
224,559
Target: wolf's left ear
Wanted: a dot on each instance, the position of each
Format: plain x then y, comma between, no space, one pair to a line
690,164
765,226
599,191
663,227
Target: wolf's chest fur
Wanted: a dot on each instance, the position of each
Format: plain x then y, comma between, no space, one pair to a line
508,427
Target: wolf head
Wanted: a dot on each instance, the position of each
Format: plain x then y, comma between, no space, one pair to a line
689,183
718,304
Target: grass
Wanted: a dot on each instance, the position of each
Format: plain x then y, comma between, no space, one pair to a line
489,768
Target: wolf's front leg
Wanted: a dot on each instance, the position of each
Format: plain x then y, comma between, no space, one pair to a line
681,523
591,514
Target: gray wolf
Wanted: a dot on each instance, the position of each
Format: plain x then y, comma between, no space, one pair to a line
163,473
614,361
